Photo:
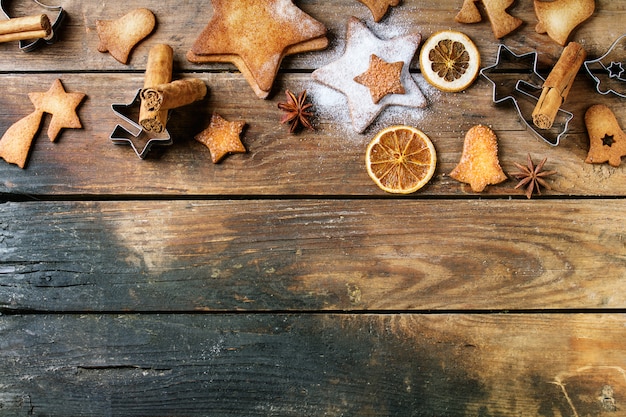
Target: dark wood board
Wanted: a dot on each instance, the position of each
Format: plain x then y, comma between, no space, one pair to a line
294,365
308,255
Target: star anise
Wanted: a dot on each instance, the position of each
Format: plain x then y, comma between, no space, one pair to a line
296,109
532,177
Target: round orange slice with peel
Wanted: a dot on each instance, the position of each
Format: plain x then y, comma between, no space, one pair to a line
400,159
449,61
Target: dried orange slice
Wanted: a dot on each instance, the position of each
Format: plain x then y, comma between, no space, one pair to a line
450,61
400,159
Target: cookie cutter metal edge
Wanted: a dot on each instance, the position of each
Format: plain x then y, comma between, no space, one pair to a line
597,80
122,135
29,46
527,90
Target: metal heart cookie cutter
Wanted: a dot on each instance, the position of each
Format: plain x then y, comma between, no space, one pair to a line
609,71
31,45
515,79
134,134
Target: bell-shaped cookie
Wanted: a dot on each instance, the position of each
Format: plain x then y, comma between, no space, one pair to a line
559,18
479,165
119,37
607,141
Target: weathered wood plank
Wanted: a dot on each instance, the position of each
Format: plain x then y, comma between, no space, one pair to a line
314,365
180,24
329,161
305,255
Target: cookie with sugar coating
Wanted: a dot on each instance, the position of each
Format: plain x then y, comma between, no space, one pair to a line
479,165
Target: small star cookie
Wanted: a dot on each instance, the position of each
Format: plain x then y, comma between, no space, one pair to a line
382,78
61,105
222,137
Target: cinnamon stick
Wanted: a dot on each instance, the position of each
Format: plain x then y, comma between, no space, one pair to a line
27,27
558,84
173,95
158,71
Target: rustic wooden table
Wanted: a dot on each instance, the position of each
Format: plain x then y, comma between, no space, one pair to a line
283,282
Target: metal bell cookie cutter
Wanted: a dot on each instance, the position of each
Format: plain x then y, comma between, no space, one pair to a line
31,45
609,71
523,89
133,134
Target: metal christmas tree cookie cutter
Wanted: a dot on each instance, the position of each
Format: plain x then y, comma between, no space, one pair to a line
134,134
31,45
515,78
609,71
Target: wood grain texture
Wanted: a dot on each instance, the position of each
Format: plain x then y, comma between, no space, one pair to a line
292,365
179,24
329,161
305,255
283,282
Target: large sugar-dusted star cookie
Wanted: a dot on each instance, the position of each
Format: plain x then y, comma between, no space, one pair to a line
256,35
361,45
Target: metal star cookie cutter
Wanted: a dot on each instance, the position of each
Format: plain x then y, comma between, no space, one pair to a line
609,70
133,134
515,78
31,45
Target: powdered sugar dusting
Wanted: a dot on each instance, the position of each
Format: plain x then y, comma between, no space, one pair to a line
362,43
287,12
331,106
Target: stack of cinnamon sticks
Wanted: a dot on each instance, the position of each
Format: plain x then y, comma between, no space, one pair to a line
23,28
160,94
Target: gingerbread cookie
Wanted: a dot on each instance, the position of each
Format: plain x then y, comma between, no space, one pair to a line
379,8
256,35
607,141
222,137
382,78
502,23
479,165
16,142
119,37
356,61
559,18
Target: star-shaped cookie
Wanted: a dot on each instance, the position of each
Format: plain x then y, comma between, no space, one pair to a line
361,44
61,105
256,35
382,78
379,7
222,137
